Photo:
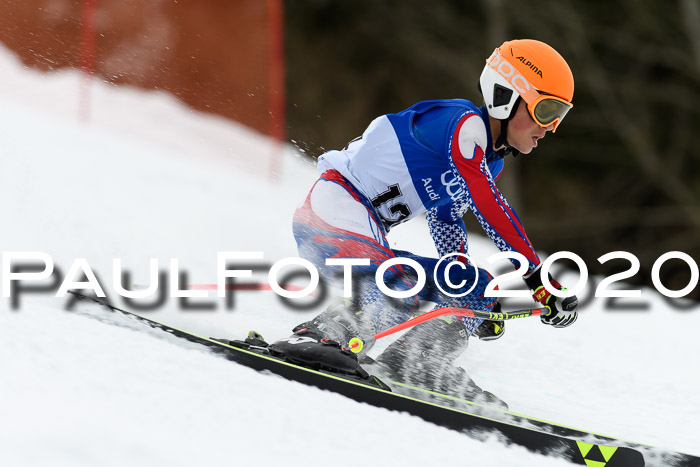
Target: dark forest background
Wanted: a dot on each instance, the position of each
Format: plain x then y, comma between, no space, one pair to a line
621,173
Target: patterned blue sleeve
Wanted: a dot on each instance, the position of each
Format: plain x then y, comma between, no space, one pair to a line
447,227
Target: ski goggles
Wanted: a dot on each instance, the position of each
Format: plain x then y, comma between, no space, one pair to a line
544,109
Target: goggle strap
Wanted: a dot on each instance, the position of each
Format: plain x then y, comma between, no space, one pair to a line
505,69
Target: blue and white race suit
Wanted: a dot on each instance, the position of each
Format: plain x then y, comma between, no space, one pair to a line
435,157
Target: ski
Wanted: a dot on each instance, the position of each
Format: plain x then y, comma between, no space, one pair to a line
577,446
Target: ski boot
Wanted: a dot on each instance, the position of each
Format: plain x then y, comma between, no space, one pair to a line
422,361
321,342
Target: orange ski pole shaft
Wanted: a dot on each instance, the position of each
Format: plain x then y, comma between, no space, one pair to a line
356,344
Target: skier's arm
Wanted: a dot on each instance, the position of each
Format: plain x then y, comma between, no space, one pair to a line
496,216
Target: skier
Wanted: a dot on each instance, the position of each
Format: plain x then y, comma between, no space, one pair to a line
441,157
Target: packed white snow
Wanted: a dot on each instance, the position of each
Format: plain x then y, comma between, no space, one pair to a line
145,177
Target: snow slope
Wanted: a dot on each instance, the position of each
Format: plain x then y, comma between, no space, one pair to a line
148,178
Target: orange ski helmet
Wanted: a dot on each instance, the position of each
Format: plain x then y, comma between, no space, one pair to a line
532,70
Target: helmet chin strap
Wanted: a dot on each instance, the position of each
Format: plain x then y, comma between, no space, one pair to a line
502,139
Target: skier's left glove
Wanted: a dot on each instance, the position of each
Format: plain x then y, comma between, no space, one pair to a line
491,330
561,311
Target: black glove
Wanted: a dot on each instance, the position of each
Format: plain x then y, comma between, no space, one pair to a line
491,330
561,311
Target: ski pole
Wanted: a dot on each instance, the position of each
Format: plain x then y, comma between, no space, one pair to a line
356,344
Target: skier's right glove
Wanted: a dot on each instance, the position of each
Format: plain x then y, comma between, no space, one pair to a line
561,311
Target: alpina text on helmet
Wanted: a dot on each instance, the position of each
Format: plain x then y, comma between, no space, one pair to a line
530,65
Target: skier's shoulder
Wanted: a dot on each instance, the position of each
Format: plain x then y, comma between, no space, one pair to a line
470,130
437,122
466,120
